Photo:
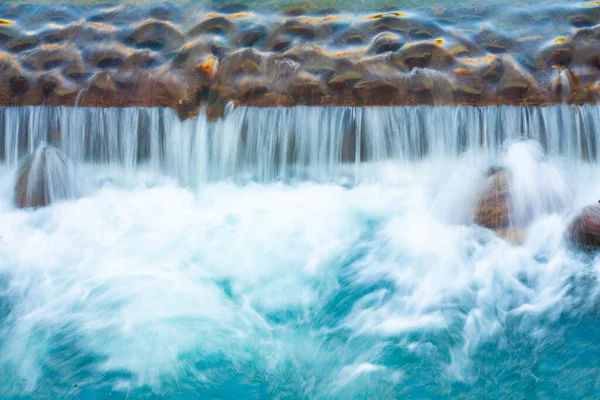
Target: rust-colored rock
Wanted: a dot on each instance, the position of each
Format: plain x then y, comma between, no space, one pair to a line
584,230
376,92
306,91
493,210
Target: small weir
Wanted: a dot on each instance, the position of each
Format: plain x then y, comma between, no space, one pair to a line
300,143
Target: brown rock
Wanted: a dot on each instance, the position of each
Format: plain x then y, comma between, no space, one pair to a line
50,56
306,90
279,45
428,86
272,100
493,206
156,35
563,84
44,177
344,81
517,86
142,59
422,55
108,58
376,92
313,59
385,42
76,69
494,42
300,29
584,230
245,62
53,87
215,110
559,53
253,36
218,25
351,37
14,83
22,44
103,82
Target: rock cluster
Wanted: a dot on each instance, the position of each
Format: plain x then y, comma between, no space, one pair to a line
183,57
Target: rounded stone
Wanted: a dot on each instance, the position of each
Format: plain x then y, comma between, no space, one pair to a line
156,36
217,25
49,57
385,42
376,92
493,209
584,230
44,177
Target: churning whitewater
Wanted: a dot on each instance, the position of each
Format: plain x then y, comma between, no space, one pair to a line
323,253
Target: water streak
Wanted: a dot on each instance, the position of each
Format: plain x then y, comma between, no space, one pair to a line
314,143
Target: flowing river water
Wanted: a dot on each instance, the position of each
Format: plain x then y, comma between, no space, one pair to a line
254,258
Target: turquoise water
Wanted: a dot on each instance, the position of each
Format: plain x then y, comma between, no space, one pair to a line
289,291
146,286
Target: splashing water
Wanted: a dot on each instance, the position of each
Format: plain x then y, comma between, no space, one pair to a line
301,253
44,177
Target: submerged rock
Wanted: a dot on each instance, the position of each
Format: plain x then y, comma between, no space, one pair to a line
44,177
584,230
493,209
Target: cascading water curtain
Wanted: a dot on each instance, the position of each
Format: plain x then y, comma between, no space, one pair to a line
266,144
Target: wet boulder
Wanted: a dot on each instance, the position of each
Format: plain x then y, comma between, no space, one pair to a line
494,42
584,230
13,82
422,55
516,86
22,44
156,36
143,59
49,57
385,42
107,58
306,89
245,62
493,210
299,29
376,92
426,86
76,69
563,83
44,177
217,25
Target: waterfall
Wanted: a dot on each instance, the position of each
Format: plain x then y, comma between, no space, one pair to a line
300,143
416,252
